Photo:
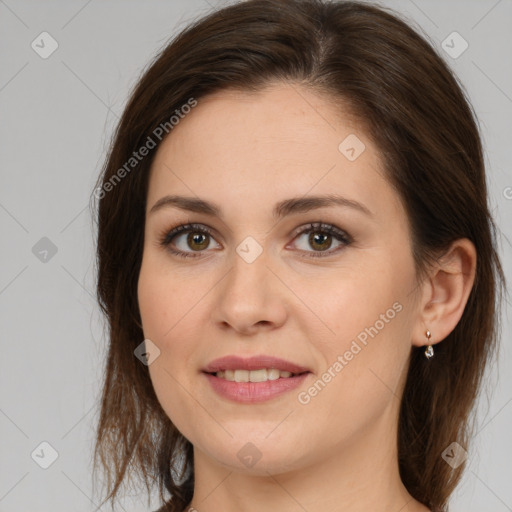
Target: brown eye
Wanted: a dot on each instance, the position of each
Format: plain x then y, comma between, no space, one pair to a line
320,238
320,241
198,241
185,240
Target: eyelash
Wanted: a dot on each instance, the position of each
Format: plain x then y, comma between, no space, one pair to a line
320,227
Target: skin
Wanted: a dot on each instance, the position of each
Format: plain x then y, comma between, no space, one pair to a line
246,152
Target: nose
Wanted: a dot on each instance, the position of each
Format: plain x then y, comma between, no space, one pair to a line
250,298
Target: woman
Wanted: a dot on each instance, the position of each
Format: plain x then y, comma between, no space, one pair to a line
298,266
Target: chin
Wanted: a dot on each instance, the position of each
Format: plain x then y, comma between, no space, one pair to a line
258,455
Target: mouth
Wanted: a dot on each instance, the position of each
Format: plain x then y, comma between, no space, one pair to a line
253,379
261,375
261,367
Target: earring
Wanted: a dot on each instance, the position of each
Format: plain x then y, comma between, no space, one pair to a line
429,351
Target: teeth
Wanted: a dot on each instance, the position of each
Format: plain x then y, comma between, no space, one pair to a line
241,376
253,375
273,374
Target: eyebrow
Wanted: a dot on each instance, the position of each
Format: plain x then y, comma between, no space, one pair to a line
281,209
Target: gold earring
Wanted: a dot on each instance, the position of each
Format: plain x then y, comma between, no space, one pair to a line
429,351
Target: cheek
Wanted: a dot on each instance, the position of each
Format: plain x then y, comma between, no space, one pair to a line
171,319
169,308
363,372
366,348
348,304
163,300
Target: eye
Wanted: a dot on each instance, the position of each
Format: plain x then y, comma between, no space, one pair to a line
198,238
191,240
320,238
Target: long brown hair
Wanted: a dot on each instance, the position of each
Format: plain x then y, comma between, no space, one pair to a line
416,113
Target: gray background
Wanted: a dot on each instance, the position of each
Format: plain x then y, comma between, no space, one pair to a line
57,115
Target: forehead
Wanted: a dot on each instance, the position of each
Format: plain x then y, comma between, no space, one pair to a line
286,120
251,148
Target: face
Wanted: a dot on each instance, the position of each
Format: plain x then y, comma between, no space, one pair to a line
275,281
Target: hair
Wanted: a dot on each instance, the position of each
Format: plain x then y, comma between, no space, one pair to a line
417,114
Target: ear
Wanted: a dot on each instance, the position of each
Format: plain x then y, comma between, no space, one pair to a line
445,293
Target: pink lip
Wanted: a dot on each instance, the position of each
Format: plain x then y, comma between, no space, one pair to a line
252,392
252,363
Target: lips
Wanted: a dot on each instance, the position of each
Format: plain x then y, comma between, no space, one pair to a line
253,379
253,363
